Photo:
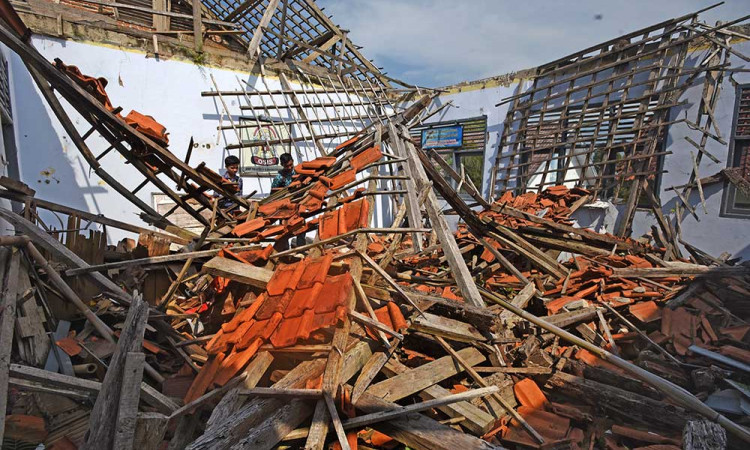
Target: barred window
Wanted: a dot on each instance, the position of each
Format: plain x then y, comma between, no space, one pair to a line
737,201
4,88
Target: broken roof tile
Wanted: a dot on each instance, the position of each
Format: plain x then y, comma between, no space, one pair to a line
528,394
329,224
342,179
291,329
250,226
365,157
321,162
204,378
232,365
336,291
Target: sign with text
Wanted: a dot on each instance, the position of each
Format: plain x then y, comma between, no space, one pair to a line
444,137
263,158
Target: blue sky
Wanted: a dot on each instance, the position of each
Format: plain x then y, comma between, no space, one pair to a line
438,42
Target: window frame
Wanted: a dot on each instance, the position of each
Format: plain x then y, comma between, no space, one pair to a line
457,153
728,208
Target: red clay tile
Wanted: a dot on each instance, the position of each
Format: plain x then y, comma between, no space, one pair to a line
336,291
329,224
347,143
375,247
397,318
217,343
302,170
291,329
203,381
250,226
271,207
283,277
343,179
528,394
275,304
273,231
148,126
551,426
316,271
645,311
239,333
69,346
354,215
358,193
232,365
321,162
366,157
303,299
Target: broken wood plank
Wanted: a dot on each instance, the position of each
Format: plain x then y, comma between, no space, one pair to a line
449,328
11,260
127,408
424,376
103,423
240,272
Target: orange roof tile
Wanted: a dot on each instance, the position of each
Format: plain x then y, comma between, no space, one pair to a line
528,394
203,381
321,162
343,179
366,157
250,226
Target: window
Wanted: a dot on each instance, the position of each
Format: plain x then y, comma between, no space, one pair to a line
5,91
460,143
262,160
736,203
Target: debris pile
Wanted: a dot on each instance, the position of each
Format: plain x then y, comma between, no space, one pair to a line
517,330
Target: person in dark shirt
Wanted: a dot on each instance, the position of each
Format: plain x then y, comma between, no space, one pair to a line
280,181
284,177
232,178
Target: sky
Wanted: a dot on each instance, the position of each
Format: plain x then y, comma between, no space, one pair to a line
435,43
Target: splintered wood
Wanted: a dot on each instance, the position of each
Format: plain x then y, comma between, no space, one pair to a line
514,329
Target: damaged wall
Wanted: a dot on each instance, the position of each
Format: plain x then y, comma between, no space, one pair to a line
475,99
168,90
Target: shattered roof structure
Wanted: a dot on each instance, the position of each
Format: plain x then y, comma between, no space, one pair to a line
515,329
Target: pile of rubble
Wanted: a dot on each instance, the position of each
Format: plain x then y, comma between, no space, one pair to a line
519,329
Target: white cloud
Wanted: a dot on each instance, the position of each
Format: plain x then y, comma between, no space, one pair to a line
438,42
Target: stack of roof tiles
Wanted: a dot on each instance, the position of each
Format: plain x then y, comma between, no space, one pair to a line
293,214
300,299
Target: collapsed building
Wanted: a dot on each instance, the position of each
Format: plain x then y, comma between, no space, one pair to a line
550,258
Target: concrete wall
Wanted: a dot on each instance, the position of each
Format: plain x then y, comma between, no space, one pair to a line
168,90
709,232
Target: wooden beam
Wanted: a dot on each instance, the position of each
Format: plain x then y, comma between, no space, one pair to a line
10,260
197,26
127,407
424,376
254,44
241,272
104,416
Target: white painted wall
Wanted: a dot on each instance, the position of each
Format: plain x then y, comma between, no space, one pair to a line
168,90
710,232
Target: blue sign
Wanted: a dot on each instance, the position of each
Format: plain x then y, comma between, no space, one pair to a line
445,137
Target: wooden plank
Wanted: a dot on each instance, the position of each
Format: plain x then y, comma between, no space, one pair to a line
688,271
7,321
103,422
420,432
263,422
254,44
241,272
88,387
197,26
149,431
62,254
127,408
443,326
475,420
232,402
520,300
422,377
372,418
460,271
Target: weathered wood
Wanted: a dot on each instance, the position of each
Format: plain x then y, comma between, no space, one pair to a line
475,420
371,418
62,253
127,408
283,420
282,393
443,326
703,435
89,388
520,300
149,431
456,262
620,403
103,421
245,424
11,259
422,377
374,324
687,271
240,272
370,370
253,46
418,431
233,401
